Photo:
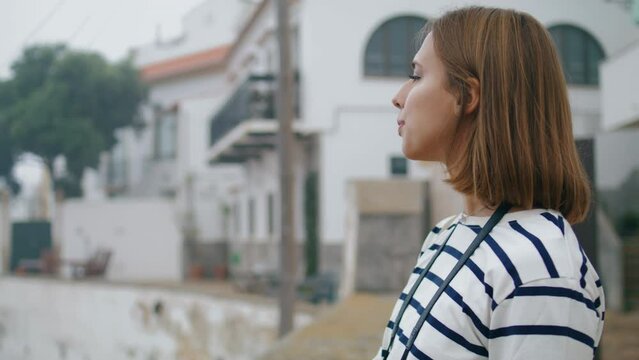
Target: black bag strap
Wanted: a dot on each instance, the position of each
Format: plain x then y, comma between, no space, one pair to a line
413,289
494,219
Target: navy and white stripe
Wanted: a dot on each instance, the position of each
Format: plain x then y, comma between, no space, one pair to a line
550,266
472,266
527,292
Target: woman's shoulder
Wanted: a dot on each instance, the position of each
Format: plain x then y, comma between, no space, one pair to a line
531,246
442,226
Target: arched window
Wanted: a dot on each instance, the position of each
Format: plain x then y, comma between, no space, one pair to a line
580,54
391,48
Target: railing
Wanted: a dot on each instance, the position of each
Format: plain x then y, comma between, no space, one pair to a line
254,99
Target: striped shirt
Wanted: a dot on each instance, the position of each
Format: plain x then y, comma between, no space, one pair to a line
527,292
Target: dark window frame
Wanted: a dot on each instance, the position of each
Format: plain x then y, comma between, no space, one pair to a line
270,208
162,119
411,23
251,216
559,34
394,166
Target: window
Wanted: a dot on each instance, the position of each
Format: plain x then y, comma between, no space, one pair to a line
399,165
391,48
580,54
271,213
165,135
251,216
116,169
236,218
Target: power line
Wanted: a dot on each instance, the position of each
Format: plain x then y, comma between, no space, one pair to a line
44,21
79,29
108,18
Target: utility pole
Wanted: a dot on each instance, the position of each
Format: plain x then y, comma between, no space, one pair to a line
5,229
288,261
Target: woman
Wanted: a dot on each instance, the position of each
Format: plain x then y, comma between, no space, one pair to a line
488,99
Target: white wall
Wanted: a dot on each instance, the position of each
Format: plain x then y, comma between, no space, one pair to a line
585,103
261,179
620,89
209,189
358,146
207,85
196,96
99,321
332,79
194,132
210,192
142,233
137,150
212,23
248,54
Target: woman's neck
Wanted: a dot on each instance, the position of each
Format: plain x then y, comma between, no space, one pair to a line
475,207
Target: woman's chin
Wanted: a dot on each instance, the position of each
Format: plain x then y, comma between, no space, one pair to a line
411,154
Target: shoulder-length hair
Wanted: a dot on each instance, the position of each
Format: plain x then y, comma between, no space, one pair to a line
519,146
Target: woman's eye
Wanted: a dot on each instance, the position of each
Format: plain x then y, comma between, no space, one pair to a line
414,77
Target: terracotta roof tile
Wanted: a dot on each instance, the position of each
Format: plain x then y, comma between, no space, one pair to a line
184,64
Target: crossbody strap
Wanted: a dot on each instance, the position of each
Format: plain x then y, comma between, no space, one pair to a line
494,219
410,294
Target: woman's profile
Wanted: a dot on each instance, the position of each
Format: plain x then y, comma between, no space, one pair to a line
506,278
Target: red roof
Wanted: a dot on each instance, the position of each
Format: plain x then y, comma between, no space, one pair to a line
184,64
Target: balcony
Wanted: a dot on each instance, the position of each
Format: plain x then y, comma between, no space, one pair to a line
246,124
254,99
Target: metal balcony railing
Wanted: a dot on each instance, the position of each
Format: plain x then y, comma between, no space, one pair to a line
253,99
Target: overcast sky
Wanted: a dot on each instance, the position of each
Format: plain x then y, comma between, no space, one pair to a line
111,27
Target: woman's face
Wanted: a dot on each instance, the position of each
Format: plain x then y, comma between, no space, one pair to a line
428,112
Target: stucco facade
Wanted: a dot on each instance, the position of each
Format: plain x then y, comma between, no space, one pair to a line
351,114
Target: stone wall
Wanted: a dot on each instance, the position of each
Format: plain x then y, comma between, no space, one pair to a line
60,320
386,224
387,250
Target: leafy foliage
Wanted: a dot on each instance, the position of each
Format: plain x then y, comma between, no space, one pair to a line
65,102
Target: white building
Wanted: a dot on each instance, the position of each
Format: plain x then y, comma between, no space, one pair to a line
213,126
620,90
167,157
351,59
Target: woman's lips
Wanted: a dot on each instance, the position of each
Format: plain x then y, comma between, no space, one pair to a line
400,124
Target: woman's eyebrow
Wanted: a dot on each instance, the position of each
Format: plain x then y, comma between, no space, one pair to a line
415,64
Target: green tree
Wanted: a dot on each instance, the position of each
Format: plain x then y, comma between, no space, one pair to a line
7,157
311,246
67,102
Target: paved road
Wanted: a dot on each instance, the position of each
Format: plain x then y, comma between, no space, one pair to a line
353,330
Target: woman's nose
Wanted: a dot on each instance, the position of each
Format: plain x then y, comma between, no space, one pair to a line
396,102
400,98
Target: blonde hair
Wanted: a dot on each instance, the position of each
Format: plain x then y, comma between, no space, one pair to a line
519,146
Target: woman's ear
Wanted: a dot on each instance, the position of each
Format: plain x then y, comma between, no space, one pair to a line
472,102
